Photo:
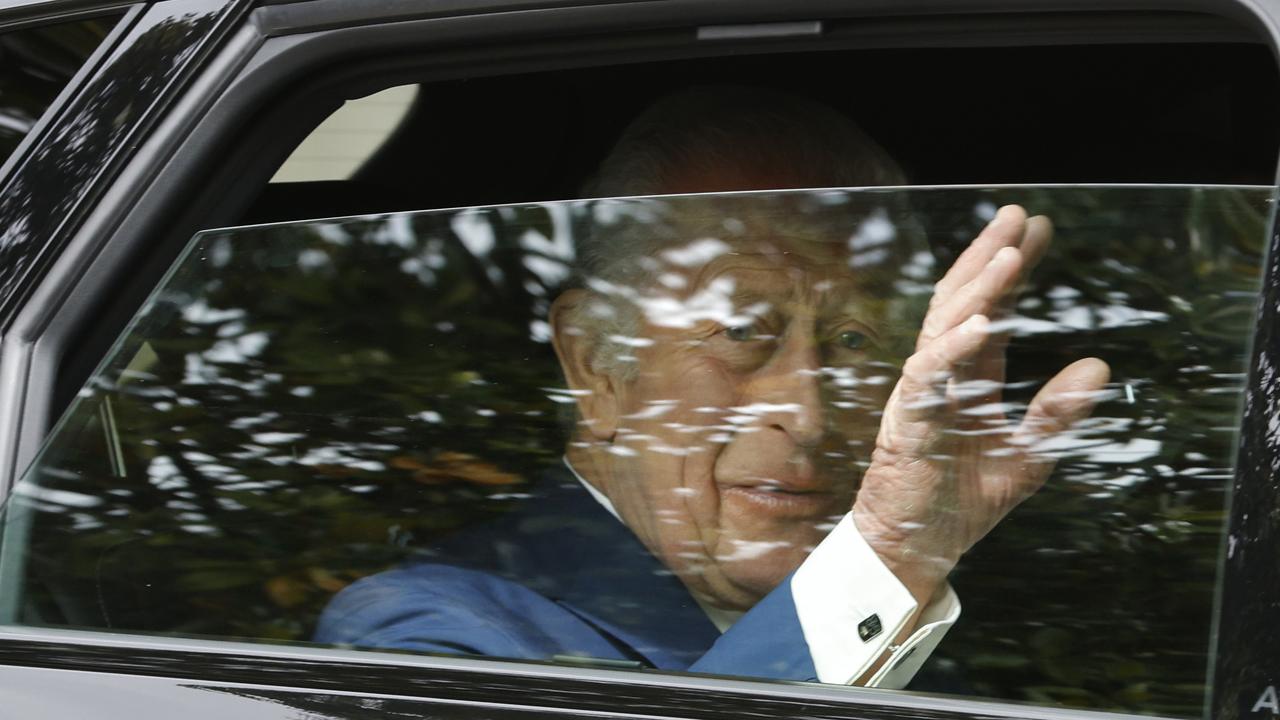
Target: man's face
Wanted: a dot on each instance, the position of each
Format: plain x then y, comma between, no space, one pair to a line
739,437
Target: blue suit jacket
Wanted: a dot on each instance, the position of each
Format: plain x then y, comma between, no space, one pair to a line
560,576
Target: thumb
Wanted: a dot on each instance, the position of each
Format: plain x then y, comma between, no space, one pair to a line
1064,401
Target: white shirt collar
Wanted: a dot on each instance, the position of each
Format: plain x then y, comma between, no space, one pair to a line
599,496
721,618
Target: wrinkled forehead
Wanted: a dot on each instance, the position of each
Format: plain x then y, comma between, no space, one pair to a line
828,256
797,279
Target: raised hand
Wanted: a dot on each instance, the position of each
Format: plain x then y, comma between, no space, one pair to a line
948,465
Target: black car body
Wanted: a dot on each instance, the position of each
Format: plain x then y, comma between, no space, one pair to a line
176,120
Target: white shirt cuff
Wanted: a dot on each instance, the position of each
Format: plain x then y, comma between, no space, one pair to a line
851,607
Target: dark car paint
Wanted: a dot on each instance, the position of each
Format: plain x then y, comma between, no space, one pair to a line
1247,661
346,684
56,184
53,187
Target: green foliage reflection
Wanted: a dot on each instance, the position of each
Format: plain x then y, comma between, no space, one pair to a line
302,405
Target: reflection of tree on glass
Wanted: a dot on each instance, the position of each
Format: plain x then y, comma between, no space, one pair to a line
738,366
299,406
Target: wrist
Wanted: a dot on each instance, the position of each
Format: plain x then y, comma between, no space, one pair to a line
921,572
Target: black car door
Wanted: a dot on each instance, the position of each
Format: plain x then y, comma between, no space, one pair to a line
229,392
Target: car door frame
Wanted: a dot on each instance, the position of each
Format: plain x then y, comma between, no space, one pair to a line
229,58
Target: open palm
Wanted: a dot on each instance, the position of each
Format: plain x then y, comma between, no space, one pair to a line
948,464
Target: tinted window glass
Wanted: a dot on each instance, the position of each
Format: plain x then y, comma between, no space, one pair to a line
35,64
373,409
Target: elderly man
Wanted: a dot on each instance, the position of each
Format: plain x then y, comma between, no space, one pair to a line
757,483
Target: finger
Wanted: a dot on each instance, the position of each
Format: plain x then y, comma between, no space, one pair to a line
1004,230
988,370
921,392
978,297
979,385
1035,242
1064,401
1034,246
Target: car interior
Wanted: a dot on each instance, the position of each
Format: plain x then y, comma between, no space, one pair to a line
1098,113
1197,101
1163,110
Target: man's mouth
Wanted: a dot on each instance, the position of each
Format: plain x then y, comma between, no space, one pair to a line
781,499
792,487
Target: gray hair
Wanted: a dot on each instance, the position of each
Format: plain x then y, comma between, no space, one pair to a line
748,131
740,134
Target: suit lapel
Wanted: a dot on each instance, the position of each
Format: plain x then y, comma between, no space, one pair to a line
617,585
564,545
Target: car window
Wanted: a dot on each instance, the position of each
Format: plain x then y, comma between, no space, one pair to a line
35,64
611,433
347,138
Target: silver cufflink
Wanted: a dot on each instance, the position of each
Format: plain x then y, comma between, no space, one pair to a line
870,627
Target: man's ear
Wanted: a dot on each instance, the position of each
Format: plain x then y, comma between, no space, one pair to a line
576,347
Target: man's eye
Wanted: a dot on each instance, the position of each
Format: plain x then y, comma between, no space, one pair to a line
740,333
852,340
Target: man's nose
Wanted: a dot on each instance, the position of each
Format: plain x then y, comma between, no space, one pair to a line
787,391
